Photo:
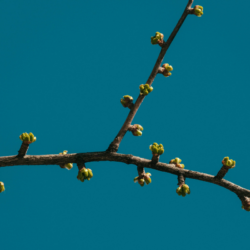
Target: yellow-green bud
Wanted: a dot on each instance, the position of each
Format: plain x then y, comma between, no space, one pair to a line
85,173
158,38
90,174
147,178
69,166
141,182
198,10
2,188
136,179
179,191
167,67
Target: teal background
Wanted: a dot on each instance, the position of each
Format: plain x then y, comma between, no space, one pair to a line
64,66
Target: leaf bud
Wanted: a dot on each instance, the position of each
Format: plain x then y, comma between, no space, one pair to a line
198,10
2,188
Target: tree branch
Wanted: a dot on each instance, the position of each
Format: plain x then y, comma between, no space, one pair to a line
113,147
128,159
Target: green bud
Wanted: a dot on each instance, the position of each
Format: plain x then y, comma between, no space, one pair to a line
198,10
139,127
160,151
85,173
80,176
179,191
154,149
137,133
69,166
141,87
147,178
32,137
226,159
136,179
2,188
90,174
177,160
141,182
185,188
166,73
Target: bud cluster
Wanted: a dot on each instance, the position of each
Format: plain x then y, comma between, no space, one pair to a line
167,69
177,162
84,174
27,138
156,149
68,165
157,39
142,179
126,101
2,188
198,10
183,190
228,163
145,89
136,129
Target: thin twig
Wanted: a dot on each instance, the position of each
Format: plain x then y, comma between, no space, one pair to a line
113,147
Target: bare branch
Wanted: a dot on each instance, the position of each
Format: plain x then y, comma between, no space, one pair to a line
113,147
128,159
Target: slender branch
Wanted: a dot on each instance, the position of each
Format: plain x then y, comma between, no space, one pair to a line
23,149
223,171
128,159
113,147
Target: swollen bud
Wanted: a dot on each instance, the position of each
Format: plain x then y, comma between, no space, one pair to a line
157,39
126,101
147,178
27,138
69,166
156,149
229,163
198,10
2,188
145,89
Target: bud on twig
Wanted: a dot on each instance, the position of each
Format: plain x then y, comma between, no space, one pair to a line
67,165
2,188
143,177
183,188
167,68
145,89
227,164
177,162
157,39
127,101
84,173
197,10
26,139
136,129
157,150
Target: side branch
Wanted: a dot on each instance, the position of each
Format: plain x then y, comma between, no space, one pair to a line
128,159
113,147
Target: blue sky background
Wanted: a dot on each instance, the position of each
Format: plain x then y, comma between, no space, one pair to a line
64,65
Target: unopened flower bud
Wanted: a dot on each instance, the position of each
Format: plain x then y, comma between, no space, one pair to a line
2,188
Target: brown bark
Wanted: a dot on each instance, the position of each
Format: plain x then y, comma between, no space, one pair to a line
181,180
23,149
223,171
113,147
128,159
